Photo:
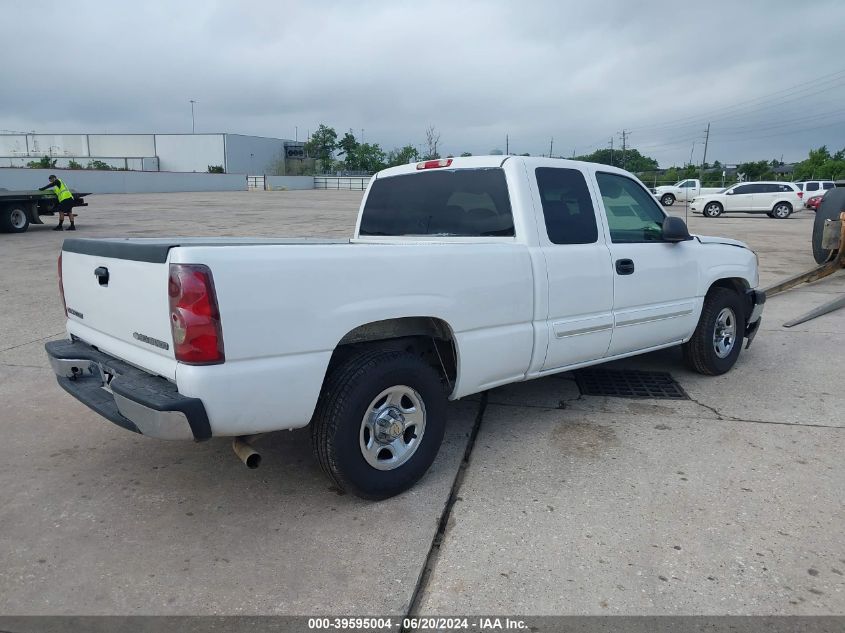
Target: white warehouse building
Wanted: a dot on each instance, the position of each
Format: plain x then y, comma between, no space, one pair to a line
235,153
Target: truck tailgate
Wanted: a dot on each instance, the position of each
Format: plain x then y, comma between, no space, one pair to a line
117,300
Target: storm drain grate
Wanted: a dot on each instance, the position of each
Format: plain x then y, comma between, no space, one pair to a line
629,383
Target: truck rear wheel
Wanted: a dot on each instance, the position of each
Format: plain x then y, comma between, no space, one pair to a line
379,423
13,220
667,200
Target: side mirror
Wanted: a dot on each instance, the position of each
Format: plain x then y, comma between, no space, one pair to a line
675,230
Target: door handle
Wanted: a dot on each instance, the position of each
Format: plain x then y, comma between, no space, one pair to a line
625,266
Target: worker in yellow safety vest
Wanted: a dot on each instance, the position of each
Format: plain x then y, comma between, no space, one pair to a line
65,197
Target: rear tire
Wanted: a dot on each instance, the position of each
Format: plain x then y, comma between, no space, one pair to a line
713,210
717,340
14,220
781,211
667,200
379,423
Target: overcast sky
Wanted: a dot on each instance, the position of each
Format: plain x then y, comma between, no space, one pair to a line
769,75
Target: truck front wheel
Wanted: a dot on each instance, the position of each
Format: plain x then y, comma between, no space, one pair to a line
717,340
379,423
13,220
667,200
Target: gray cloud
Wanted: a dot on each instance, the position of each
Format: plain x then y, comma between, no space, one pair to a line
580,72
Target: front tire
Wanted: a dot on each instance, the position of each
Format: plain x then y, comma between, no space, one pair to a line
716,343
14,220
379,423
713,210
667,200
781,210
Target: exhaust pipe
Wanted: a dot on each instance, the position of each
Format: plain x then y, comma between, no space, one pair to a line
246,453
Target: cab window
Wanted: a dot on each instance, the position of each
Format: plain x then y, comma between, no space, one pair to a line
632,212
567,207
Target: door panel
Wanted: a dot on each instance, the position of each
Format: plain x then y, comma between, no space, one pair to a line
656,303
578,267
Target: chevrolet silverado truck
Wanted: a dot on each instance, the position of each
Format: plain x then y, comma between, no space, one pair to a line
683,190
462,275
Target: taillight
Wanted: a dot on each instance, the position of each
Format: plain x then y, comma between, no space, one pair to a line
801,194
434,164
62,285
194,316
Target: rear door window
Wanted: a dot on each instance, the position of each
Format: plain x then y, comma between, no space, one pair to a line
567,207
457,202
812,186
827,185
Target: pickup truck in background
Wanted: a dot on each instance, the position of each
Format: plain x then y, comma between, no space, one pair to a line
462,275
683,190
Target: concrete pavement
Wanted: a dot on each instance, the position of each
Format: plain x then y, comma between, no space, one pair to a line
731,502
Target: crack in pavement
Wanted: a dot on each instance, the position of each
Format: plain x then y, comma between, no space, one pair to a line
719,416
439,536
24,366
31,342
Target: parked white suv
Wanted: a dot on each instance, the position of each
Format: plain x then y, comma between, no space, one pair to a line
812,188
775,199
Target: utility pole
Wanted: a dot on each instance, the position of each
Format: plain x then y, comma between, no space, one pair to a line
625,134
296,133
507,146
704,158
193,126
551,145
611,152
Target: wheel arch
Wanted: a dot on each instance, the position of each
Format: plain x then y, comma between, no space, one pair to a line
429,337
738,285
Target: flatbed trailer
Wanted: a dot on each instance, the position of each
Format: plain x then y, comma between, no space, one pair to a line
19,209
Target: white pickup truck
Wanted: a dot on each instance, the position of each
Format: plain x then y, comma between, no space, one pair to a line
683,190
462,274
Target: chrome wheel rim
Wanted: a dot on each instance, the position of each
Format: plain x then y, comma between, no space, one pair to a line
392,428
724,333
782,211
18,218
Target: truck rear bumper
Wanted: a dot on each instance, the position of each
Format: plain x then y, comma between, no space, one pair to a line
126,395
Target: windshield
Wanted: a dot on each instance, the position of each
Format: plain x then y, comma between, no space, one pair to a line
440,203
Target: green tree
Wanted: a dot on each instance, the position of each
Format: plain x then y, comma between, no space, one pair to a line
322,145
820,164
465,154
216,169
348,146
370,157
634,161
74,165
757,170
402,156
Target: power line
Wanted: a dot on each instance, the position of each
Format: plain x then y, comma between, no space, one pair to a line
687,120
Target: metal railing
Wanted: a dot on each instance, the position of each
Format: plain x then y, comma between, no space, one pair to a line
352,183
